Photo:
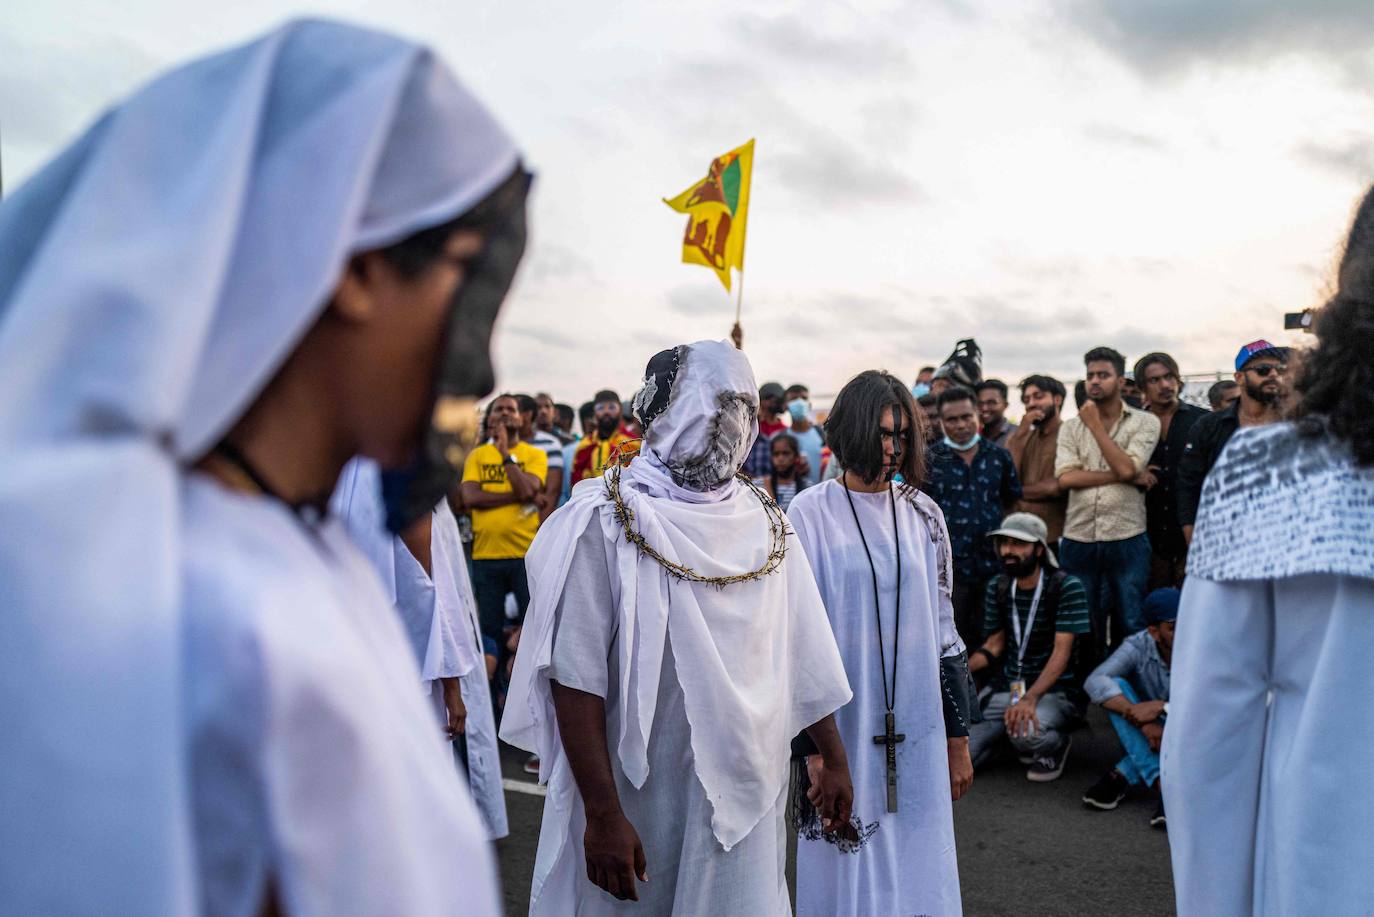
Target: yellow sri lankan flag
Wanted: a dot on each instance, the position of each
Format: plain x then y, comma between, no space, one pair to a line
717,209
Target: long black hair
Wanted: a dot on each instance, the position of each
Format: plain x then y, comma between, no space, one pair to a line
854,421
1335,381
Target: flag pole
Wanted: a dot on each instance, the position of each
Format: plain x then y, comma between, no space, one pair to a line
739,297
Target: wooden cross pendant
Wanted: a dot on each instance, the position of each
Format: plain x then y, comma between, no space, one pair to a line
890,739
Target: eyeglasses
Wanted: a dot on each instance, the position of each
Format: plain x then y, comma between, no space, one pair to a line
1265,369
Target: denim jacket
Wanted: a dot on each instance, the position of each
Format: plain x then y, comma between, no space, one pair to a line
1136,660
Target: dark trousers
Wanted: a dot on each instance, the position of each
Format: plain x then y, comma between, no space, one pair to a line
968,610
1119,569
492,580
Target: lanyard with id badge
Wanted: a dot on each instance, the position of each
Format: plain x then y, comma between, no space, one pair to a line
1018,685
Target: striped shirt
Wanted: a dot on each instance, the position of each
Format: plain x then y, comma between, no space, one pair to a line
1071,617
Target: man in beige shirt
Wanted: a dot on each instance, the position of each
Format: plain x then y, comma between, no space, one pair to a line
1101,463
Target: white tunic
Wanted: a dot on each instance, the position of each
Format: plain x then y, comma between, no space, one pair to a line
439,616
316,770
908,865
1265,763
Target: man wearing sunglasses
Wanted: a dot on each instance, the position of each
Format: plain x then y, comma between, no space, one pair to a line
1261,371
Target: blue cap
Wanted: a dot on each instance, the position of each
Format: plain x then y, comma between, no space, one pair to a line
1161,605
1259,348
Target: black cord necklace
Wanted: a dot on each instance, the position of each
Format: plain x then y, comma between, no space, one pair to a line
308,511
889,697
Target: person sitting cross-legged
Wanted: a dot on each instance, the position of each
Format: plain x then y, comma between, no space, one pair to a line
1132,685
1033,613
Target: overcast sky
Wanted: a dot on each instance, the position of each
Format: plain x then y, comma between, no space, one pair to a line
1045,177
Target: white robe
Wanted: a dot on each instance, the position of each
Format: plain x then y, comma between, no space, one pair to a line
316,769
908,865
1265,763
439,616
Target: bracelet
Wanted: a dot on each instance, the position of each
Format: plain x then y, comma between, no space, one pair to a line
986,655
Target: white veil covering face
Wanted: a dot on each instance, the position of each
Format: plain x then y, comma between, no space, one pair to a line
756,659
153,277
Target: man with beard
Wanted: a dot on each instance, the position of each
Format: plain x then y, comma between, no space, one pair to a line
606,437
1159,379
1033,448
1260,371
1033,614
1101,461
663,740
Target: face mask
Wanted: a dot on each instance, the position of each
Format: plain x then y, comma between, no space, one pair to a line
465,372
977,438
919,389
798,408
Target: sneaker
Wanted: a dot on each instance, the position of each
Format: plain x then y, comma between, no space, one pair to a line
1049,767
532,765
1107,792
1158,820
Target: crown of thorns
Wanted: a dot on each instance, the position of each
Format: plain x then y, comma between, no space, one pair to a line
777,524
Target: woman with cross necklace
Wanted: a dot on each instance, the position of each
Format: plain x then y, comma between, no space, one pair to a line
881,557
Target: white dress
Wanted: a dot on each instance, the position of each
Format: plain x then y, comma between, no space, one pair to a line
908,864
316,771
1265,763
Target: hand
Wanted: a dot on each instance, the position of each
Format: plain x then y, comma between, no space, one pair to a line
614,855
1154,732
456,709
1146,479
737,335
832,792
1144,712
1020,718
500,438
1033,418
1089,415
960,767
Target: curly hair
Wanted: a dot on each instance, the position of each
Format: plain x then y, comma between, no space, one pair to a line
1335,380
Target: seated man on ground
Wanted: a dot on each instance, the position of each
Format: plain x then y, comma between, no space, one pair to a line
1033,612
1132,685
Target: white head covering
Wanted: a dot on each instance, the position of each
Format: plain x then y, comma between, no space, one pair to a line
718,634
699,406
153,277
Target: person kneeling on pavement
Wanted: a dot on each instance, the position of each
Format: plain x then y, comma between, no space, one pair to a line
1132,685
1033,612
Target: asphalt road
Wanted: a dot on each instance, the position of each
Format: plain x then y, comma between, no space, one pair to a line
1025,849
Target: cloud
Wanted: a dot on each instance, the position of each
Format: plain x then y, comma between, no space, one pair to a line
793,37
694,301
824,169
1351,158
1173,35
1115,135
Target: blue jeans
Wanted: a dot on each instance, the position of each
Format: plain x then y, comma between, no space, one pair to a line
1141,765
1120,569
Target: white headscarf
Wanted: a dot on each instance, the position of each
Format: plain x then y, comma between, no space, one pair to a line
719,635
153,278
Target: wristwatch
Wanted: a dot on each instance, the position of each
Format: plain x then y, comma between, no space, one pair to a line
510,459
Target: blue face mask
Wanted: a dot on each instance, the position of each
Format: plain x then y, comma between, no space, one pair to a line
798,409
919,389
977,438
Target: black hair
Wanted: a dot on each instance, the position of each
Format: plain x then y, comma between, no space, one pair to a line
586,412
1106,355
925,369
1045,383
928,400
1335,381
565,414
996,385
795,387
856,417
1218,389
800,479
1150,359
526,405
1080,393
955,393
606,395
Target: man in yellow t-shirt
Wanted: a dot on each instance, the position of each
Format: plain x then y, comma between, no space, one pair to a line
502,481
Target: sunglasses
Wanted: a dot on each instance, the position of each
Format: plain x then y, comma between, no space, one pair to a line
1264,370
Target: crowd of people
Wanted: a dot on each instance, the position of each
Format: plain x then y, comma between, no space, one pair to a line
274,585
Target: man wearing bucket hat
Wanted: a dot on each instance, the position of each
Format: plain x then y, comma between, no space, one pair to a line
1033,612
1132,685
1261,369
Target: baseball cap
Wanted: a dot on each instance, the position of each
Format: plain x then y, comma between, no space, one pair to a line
1029,528
1259,348
1161,605
771,390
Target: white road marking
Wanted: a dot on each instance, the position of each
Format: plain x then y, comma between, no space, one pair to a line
524,786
